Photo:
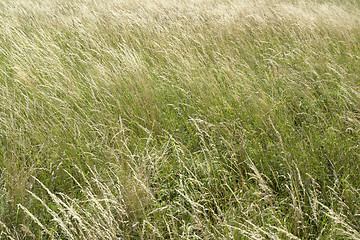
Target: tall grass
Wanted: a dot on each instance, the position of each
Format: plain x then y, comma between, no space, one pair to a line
217,119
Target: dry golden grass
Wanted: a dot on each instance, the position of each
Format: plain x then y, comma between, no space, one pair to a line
169,119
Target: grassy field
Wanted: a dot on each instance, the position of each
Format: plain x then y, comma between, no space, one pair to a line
172,119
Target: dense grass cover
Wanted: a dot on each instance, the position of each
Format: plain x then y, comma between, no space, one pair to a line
172,119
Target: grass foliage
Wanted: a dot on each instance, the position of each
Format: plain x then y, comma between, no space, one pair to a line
169,119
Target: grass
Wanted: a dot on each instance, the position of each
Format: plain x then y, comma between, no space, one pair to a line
219,119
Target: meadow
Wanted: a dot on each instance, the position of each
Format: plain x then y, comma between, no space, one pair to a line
179,119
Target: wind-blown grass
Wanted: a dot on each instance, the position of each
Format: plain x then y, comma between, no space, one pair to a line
219,119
